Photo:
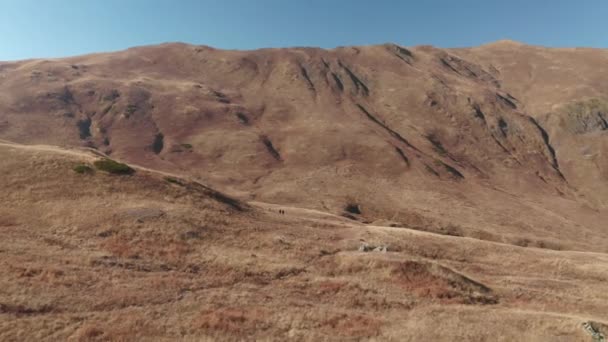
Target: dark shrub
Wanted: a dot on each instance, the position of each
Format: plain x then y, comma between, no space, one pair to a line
131,109
82,169
84,127
113,95
158,144
353,208
114,167
174,180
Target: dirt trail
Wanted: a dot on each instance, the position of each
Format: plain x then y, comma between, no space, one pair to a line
312,215
84,153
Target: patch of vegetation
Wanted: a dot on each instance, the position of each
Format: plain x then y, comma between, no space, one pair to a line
525,242
114,167
188,146
189,235
113,95
437,145
83,168
84,128
243,119
20,310
220,197
158,143
451,230
130,109
503,126
65,96
173,180
338,81
431,170
270,147
353,208
453,171
106,233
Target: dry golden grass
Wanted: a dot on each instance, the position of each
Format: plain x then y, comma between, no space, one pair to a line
483,170
102,257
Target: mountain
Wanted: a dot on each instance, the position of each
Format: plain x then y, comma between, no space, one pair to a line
484,170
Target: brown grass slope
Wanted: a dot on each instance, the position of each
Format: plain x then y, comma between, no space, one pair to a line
566,91
444,140
148,256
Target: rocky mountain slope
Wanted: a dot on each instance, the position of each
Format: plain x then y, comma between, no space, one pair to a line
500,148
387,129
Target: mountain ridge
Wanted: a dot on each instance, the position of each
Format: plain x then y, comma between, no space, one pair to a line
357,193
321,128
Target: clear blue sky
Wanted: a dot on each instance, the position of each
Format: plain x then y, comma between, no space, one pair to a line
54,28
